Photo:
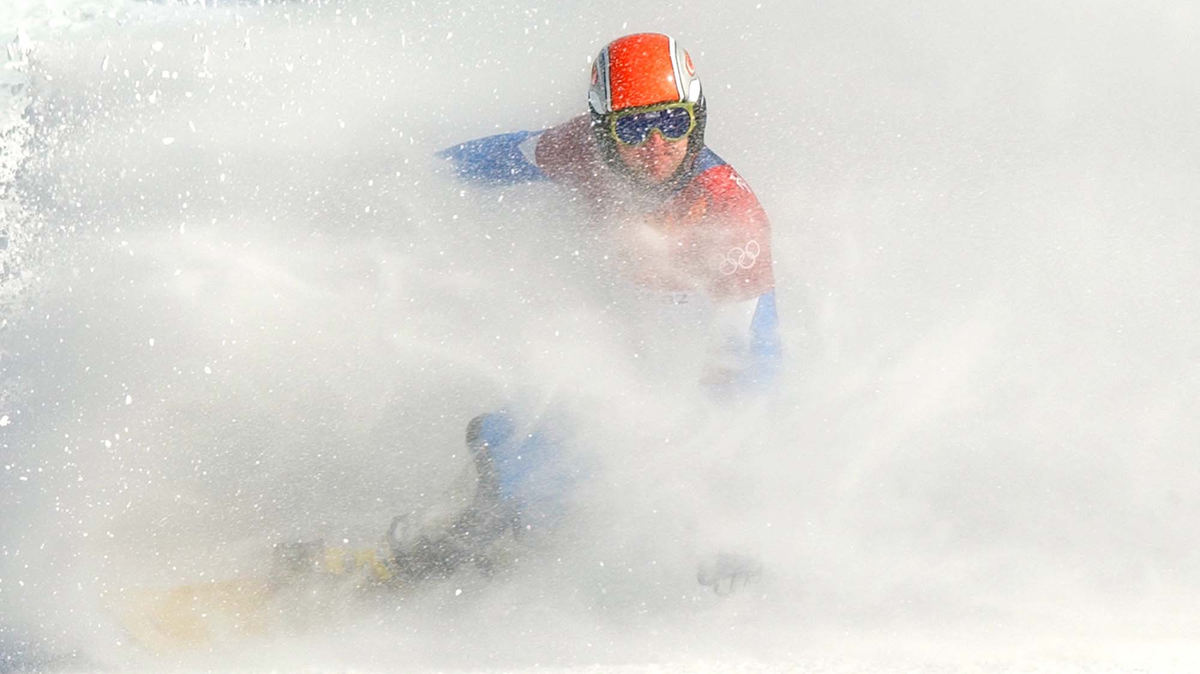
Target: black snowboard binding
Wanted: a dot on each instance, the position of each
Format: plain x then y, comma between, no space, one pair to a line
417,556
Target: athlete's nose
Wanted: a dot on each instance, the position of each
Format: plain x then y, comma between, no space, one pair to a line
656,139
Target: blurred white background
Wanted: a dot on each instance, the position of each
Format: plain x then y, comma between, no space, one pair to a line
256,309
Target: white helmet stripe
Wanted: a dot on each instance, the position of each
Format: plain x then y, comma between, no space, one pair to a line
679,84
600,93
605,82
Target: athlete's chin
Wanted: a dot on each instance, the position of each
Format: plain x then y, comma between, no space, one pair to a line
657,174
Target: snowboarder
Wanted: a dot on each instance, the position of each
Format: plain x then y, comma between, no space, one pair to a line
688,226
684,224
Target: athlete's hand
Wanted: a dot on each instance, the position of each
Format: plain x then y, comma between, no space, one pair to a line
728,572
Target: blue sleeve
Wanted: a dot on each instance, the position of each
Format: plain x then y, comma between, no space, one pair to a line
766,347
494,160
751,358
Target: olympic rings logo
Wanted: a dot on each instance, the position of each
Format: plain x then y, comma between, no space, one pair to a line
739,258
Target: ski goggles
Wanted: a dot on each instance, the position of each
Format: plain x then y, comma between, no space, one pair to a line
633,127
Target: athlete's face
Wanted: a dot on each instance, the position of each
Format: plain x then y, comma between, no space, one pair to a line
656,159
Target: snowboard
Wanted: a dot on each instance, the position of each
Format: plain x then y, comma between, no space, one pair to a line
307,582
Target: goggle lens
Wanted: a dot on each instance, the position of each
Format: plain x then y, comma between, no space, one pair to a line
673,122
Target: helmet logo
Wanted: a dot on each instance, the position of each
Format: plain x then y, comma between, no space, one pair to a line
687,62
595,75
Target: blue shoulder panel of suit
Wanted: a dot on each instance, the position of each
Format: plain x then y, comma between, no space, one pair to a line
494,160
707,159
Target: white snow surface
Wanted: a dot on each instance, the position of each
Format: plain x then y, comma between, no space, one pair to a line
254,308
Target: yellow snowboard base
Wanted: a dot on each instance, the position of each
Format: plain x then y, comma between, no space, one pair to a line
197,615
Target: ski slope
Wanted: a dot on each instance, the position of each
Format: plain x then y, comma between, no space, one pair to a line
242,303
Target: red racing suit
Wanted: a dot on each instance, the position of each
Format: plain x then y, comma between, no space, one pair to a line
707,232
704,233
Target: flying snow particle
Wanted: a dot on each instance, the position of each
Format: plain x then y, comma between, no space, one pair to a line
168,140
4,421
128,399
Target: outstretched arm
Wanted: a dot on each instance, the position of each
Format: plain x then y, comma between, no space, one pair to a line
503,159
561,154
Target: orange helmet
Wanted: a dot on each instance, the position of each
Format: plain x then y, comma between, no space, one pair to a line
645,69
640,70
